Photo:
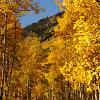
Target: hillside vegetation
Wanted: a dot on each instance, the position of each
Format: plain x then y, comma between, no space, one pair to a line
43,28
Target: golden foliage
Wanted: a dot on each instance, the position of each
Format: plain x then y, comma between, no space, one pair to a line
79,26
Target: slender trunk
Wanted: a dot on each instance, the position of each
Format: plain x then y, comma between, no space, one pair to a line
90,96
97,92
84,92
50,94
68,91
93,95
36,97
76,94
13,61
7,78
63,89
29,90
4,58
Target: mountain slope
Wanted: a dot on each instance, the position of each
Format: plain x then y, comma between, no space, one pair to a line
43,28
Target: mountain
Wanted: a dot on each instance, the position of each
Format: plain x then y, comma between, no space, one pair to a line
43,28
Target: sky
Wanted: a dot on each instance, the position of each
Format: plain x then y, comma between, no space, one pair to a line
50,9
